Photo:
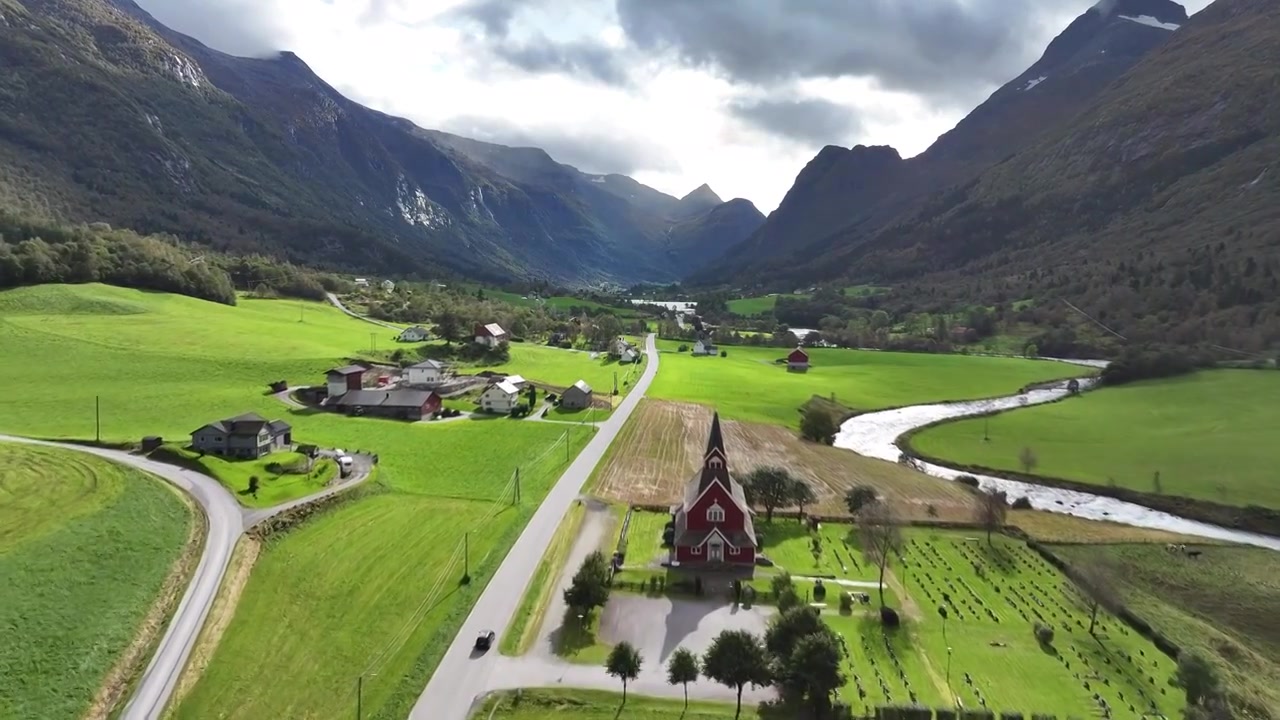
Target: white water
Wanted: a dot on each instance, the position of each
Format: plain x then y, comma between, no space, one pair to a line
876,434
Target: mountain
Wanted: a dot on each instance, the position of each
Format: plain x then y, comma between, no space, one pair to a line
105,114
1156,210
697,202
698,241
852,193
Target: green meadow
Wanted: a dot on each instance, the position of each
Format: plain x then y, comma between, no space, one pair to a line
1210,436
762,305
748,385
277,482
371,586
85,547
595,705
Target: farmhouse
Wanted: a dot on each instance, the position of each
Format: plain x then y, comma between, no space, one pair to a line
798,360
243,436
417,333
401,404
427,372
491,335
577,396
704,346
344,379
625,351
713,527
499,397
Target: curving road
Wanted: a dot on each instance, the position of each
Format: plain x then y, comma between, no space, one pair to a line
461,678
227,520
333,300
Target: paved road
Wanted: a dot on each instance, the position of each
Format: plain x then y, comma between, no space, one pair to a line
227,520
460,678
333,300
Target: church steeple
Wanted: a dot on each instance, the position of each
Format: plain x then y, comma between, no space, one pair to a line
715,462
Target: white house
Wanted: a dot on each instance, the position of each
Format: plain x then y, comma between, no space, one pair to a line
417,333
704,347
427,372
388,286
500,397
491,335
362,282
517,381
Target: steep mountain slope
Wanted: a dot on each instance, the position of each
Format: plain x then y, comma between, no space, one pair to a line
1157,210
107,115
699,201
855,192
704,238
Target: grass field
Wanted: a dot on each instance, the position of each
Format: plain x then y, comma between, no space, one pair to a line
1207,435
326,600
748,385
762,305
1222,606
661,446
85,548
275,484
559,368
594,705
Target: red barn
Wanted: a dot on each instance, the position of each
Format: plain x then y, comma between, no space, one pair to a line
713,525
798,360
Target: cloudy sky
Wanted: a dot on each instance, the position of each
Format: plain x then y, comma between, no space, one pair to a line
739,94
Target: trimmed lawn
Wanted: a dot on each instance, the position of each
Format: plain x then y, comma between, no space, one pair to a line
595,705
276,482
762,305
1209,435
1222,606
748,385
522,632
85,547
350,590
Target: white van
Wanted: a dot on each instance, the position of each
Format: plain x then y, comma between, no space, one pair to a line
344,463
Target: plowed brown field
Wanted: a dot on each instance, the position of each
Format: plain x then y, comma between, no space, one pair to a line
658,451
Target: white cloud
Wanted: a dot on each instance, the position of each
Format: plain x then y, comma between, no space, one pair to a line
427,62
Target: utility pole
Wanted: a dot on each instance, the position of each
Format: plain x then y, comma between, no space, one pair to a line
517,495
466,557
986,426
615,382
97,418
359,694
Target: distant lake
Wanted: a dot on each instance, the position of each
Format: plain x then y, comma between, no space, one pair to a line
683,305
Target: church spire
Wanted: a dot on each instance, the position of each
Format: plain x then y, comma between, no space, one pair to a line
716,440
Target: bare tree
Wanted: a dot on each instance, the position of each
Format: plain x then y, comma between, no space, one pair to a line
992,509
1028,460
1097,582
880,531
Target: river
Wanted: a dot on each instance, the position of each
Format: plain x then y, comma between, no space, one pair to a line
876,435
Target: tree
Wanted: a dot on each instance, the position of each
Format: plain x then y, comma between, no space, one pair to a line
881,536
1155,483
1095,581
736,658
624,663
448,325
253,485
682,669
802,494
992,509
589,588
858,497
769,487
818,425
1197,677
1027,458
786,630
813,670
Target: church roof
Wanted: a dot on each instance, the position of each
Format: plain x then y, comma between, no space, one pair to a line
715,470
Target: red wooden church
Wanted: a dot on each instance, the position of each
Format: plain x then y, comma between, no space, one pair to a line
713,524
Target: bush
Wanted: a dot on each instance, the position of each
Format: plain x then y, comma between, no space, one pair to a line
724,353
1044,634
1022,503
682,348
846,602
1010,716
969,480
945,714
889,617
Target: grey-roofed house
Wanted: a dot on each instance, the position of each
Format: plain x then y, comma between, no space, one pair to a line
576,397
248,436
400,404
427,372
343,379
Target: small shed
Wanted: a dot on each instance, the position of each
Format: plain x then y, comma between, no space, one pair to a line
344,379
577,396
798,360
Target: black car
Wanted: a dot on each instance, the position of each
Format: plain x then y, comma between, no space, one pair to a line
484,641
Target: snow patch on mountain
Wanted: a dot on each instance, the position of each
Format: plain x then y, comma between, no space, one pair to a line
1035,82
1150,22
418,209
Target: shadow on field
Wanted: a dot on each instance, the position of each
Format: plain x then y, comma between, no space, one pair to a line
573,636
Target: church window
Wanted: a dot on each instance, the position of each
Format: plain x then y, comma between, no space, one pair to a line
715,514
